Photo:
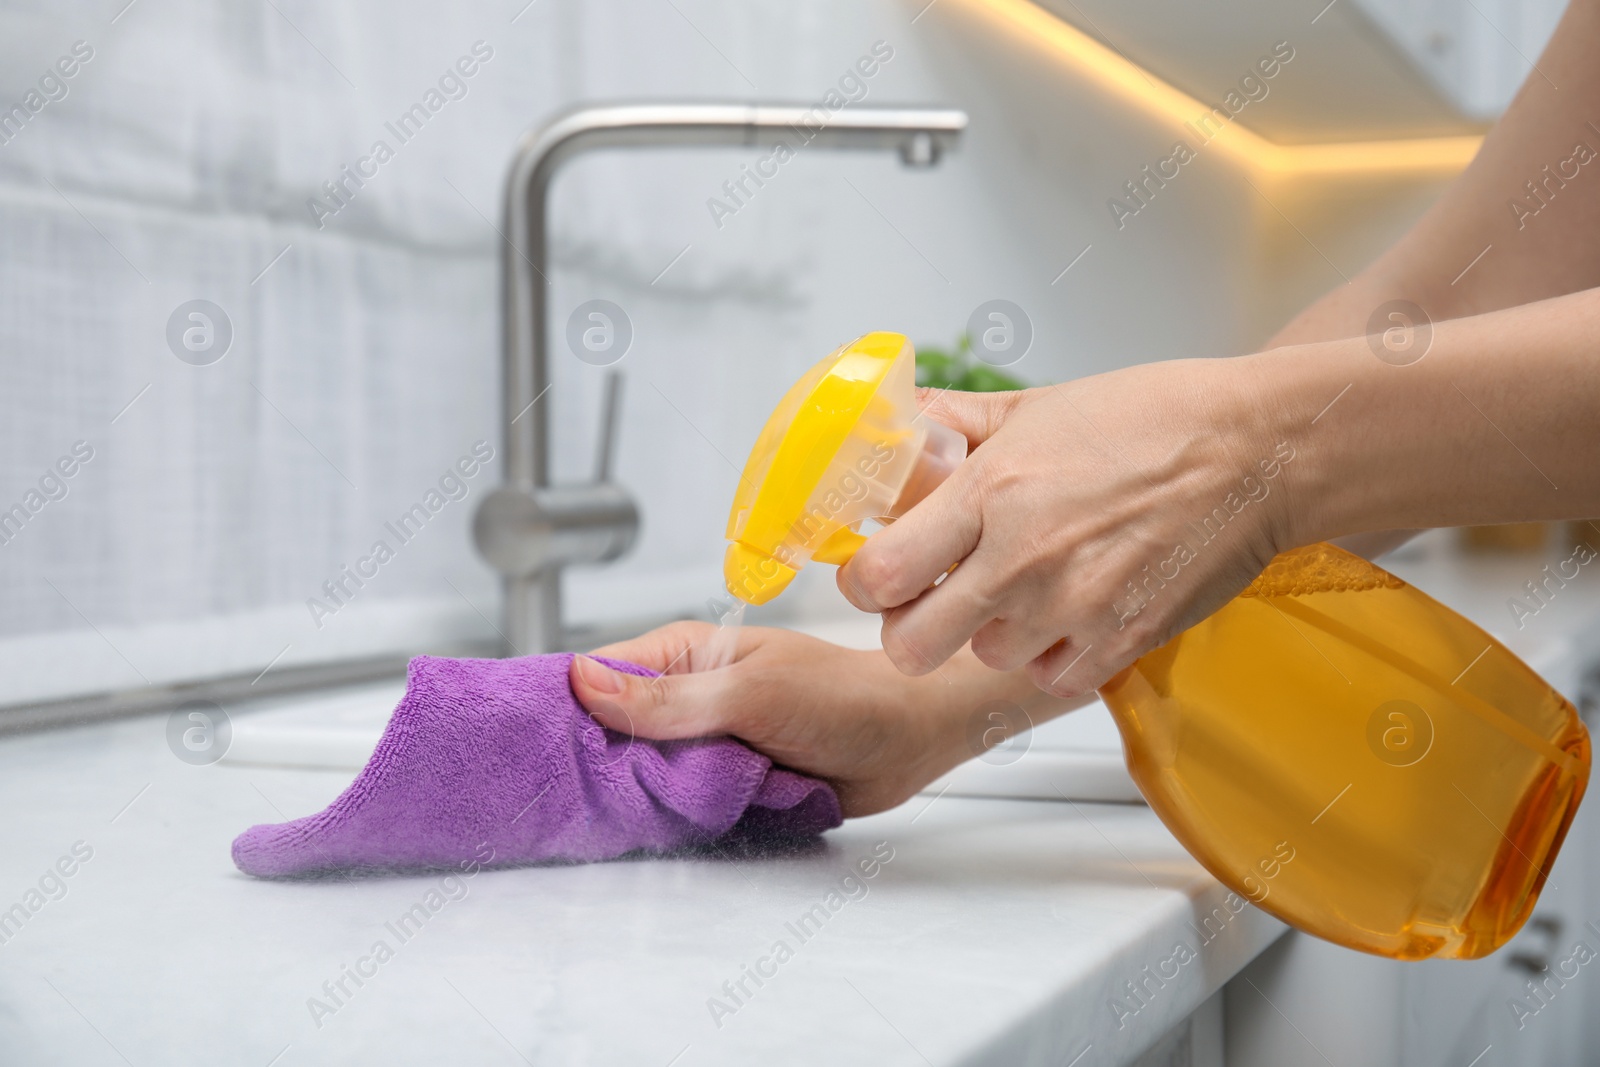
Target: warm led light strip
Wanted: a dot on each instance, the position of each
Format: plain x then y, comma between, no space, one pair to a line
1042,28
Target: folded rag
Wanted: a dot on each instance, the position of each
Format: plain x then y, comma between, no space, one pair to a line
493,761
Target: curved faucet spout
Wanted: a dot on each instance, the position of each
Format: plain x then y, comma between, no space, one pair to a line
533,599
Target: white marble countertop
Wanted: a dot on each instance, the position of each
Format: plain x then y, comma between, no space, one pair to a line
998,932
1001,931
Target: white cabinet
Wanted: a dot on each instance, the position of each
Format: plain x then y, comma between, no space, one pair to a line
1477,52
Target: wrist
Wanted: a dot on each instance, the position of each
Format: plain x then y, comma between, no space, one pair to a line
1251,447
1304,399
966,705
937,710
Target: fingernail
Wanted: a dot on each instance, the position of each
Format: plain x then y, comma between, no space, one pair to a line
598,676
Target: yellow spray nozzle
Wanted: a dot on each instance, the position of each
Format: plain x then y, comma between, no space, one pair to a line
838,450
752,576
838,549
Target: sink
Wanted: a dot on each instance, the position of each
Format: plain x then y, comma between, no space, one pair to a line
332,730
1075,757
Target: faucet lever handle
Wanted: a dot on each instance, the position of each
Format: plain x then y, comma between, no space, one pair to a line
610,427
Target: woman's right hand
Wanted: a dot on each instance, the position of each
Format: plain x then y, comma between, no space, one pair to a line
1091,522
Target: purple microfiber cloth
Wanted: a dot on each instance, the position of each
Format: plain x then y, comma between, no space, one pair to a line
494,761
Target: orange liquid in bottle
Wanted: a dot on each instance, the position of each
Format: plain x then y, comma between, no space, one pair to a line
1356,759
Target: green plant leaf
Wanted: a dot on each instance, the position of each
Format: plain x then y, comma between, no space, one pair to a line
937,369
985,379
940,368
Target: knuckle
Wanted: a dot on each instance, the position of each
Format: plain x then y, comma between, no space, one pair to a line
610,713
1065,668
746,698
1138,635
995,649
1047,676
1003,478
644,696
902,653
876,576
687,629
1025,582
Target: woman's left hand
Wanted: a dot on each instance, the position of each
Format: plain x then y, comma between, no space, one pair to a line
844,716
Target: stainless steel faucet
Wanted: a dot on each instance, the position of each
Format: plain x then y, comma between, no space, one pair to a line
529,529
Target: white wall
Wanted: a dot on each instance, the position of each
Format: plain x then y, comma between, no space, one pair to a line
365,359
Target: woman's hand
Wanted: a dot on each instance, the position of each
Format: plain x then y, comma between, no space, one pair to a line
844,716
1092,521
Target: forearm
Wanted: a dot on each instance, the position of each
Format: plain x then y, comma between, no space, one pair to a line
1511,230
1516,226
1496,423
